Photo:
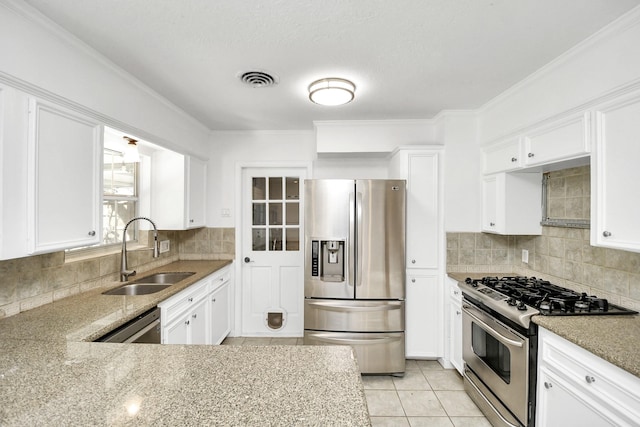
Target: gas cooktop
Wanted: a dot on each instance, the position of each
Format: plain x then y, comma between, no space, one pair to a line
520,297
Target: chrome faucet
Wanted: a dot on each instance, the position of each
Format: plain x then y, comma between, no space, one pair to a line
124,270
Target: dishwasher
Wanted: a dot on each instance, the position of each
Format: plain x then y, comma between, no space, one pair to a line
144,329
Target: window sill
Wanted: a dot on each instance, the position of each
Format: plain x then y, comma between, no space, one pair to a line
93,253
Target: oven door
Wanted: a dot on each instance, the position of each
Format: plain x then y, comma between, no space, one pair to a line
499,357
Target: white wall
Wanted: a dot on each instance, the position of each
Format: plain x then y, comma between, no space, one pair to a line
38,56
608,60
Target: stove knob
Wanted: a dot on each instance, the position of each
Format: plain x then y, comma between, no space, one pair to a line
512,301
521,306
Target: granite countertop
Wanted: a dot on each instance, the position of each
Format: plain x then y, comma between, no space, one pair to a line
51,375
615,338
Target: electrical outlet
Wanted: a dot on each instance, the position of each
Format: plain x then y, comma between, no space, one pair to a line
525,256
164,246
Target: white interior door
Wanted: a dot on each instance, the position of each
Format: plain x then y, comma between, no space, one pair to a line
272,254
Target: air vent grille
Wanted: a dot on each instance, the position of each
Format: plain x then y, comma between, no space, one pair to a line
258,79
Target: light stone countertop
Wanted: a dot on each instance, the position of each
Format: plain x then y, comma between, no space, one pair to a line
615,338
51,375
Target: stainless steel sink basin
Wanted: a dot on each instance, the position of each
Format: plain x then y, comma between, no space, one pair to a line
150,284
137,289
165,278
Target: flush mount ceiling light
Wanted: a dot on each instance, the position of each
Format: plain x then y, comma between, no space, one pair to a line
332,91
130,154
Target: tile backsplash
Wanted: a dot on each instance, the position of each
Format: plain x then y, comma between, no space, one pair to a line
34,281
563,256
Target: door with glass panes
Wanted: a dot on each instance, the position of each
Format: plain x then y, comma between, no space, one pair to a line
272,254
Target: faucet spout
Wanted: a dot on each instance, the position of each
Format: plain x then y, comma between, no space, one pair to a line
125,273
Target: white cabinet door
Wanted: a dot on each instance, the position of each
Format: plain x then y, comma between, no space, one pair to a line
565,139
220,304
198,323
424,316
196,192
177,332
615,193
178,186
502,157
511,203
64,178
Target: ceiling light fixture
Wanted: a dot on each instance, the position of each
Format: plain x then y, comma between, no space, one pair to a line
332,91
130,154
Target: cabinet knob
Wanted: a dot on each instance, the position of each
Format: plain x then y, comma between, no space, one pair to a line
413,280
413,261
514,159
214,300
191,221
530,155
589,379
92,233
455,292
547,385
194,315
606,233
190,300
458,312
186,322
492,224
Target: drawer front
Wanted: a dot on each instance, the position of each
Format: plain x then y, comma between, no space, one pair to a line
353,315
183,300
502,157
376,353
220,279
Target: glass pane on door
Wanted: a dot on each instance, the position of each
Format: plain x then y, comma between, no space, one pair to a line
275,213
275,239
293,188
275,188
258,239
259,214
259,189
293,213
293,239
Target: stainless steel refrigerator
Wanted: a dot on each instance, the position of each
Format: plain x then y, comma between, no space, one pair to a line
354,269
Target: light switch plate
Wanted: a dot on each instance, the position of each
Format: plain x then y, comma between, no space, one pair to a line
164,246
525,256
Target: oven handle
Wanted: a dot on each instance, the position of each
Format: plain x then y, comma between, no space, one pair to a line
504,340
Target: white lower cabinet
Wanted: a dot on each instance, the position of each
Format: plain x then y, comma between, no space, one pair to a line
455,326
577,388
199,314
423,316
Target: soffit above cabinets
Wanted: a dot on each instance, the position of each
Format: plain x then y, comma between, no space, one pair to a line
409,60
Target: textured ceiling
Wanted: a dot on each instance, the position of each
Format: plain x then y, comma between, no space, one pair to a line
410,59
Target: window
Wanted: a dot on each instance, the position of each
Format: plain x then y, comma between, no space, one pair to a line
120,199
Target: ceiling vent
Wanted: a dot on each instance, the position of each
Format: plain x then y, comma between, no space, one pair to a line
258,79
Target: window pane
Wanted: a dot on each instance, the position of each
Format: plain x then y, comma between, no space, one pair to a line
293,188
275,188
259,188
116,214
275,239
259,214
119,178
275,213
293,239
293,213
258,239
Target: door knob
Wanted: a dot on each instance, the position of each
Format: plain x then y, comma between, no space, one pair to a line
247,259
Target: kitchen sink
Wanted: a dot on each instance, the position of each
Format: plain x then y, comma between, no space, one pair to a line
165,278
150,284
137,289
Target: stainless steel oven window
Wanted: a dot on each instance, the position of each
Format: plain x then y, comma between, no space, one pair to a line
492,352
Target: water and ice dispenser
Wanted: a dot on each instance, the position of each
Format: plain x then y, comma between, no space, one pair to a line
328,259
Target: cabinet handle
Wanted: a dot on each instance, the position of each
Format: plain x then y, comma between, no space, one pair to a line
514,159
413,261
194,315
92,233
589,379
186,322
606,233
413,280
458,312
530,155
547,385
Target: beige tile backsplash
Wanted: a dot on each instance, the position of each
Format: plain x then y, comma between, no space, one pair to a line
29,282
561,255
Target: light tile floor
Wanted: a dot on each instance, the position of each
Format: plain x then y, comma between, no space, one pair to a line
427,395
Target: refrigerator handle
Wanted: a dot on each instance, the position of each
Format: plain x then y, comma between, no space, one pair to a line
352,248
359,239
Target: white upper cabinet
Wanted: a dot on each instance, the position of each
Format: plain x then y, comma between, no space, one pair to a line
502,157
564,139
64,190
178,191
615,174
421,169
511,203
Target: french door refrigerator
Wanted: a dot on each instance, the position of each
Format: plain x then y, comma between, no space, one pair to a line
355,269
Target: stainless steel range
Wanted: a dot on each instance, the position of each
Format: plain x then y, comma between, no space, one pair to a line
500,340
